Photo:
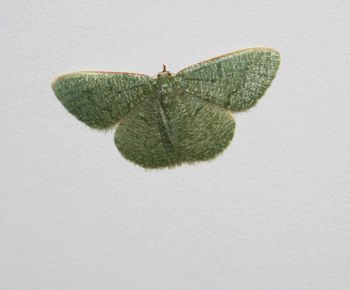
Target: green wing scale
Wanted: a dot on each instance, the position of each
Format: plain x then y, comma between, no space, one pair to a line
235,81
101,99
171,119
165,135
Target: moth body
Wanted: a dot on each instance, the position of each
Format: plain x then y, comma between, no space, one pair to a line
165,87
173,118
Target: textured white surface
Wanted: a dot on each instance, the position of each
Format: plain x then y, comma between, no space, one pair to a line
273,212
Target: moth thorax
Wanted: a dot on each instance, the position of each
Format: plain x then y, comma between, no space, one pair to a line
165,88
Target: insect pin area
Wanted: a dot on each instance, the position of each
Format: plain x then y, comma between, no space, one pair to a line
164,72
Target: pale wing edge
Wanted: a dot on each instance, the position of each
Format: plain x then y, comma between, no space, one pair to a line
87,72
223,56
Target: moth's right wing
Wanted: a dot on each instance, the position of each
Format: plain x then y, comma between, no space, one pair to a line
234,81
101,99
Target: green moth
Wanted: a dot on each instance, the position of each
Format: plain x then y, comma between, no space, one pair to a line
171,119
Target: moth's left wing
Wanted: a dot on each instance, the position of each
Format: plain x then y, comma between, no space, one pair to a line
101,99
235,81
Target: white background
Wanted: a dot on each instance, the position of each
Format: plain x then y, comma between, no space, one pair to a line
272,212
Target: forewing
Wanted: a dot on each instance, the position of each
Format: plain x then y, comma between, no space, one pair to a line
235,81
101,99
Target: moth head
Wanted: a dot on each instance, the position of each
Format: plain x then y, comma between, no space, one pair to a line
164,72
